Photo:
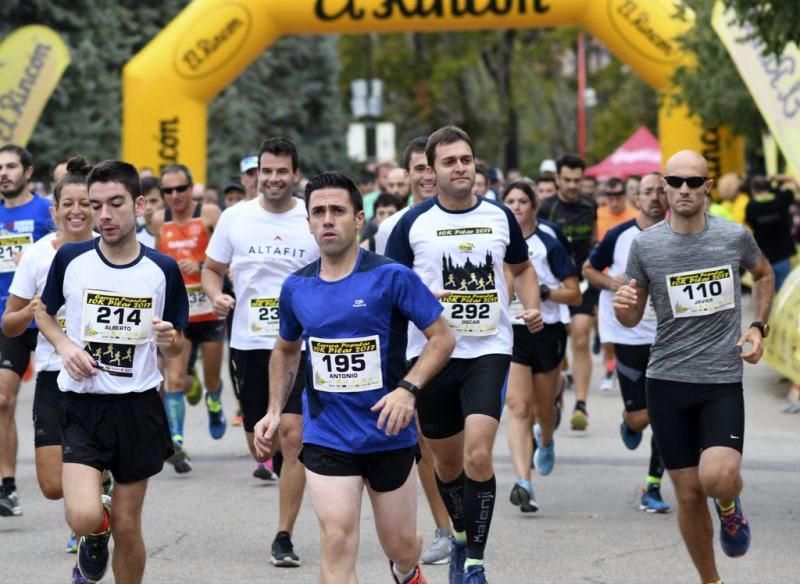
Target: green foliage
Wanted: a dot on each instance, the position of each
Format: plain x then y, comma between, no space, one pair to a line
776,22
290,90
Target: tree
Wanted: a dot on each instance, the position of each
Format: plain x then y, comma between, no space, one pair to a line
776,22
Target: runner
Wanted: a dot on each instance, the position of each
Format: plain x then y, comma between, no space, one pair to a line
153,201
351,309
690,265
122,300
263,241
536,360
459,243
577,217
183,230
24,218
605,270
423,187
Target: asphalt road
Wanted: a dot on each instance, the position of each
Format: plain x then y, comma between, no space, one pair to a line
215,525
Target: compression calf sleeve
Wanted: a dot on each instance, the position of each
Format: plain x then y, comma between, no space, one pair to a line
453,497
479,497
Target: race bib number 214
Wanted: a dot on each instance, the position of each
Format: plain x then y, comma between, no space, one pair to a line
109,317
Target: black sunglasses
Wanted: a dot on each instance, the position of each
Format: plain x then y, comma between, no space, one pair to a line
694,182
179,189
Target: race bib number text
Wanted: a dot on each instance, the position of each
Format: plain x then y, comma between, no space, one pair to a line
346,365
109,317
198,301
701,292
262,317
472,313
10,246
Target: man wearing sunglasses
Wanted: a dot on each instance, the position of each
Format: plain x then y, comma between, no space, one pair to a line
183,229
689,264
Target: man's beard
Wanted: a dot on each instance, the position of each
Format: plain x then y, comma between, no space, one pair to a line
14,192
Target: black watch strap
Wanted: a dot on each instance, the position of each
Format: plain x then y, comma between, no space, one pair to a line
407,385
761,326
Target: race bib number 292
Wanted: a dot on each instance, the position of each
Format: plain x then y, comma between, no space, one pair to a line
701,292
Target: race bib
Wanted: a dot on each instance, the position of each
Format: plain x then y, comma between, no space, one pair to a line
109,317
346,365
262,317
701,292
472,314
198,301
11,245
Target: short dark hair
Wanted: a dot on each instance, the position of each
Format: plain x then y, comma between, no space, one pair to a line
570,161
78,169
149,183
445,135
482,170
119,172
25,157
546,177
589,177
614,184
637,177
523,186
335,180
760,184
416,146
178,168
279,146
385,200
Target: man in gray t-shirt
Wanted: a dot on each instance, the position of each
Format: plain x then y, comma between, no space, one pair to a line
689,264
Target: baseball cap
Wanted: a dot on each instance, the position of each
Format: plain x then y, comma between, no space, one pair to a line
248,163
548,165
233,187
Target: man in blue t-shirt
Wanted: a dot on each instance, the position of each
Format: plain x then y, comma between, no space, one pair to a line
24,218
351,310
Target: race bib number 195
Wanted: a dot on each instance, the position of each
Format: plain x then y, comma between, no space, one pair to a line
109,317
701,292
346,365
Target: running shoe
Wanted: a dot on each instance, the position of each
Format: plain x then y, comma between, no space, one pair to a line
579,420
180,458
264,471
734,533
72,543
630,438
596,346
77,577
570,381
458,555
216,417
9,503
195,391
652,501
608,382
238,419
475,574
93,551
439,551
417,578
522,496
283,555
545,456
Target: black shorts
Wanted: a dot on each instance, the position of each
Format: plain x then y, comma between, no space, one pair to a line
46,402
384,471
207,331
463,387
542,351
251,369
15,352
631,368
687,418
589,305
127,434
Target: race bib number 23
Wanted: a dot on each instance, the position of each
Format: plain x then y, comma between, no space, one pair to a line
701,292
109,317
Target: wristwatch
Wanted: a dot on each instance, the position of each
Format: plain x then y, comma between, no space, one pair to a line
544,291
407,385
761,326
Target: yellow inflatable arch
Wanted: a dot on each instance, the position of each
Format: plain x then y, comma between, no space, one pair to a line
212,41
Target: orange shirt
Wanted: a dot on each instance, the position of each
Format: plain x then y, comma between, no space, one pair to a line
188,242
606,221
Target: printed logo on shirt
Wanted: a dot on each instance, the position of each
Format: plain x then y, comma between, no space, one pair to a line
24,226
469,276
276,250
359,303
466,246
464,231
114,359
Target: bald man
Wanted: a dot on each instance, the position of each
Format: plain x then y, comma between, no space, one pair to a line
398,184
689,264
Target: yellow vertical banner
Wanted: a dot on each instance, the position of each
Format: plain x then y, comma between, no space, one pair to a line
782,347
773,81
32,60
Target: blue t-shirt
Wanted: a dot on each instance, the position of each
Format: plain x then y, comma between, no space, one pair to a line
355,335
20,227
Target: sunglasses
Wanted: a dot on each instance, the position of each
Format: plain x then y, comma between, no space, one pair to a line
178,189
694,182
614,193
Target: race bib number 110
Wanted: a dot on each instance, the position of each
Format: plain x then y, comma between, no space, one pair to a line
109,317
701,292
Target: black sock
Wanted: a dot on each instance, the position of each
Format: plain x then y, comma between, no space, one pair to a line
580,405
277,462
479,499
9,484
656,463
453,496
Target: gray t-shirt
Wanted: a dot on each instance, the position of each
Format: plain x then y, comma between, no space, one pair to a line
693,280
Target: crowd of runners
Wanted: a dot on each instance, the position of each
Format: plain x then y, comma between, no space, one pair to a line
376,329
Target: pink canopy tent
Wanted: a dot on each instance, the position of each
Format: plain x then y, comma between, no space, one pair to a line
640,154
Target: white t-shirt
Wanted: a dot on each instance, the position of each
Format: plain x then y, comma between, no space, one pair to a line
566,318
29,280
110,310
463,252
385,230
146,238
262,249
612,253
